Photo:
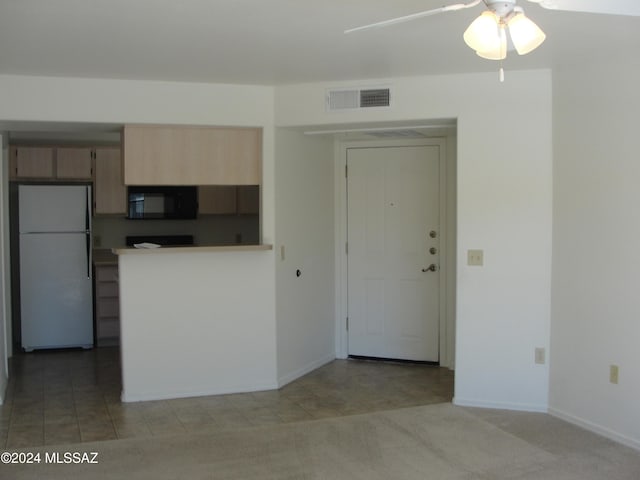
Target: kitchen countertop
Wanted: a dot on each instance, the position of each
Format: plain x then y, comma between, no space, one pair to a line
212,248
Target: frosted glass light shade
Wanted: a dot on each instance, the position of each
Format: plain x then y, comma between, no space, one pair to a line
483,34
525,35
499,50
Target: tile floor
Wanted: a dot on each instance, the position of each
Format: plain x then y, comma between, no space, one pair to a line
61,397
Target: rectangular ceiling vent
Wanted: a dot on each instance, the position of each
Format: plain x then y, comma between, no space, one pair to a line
355,98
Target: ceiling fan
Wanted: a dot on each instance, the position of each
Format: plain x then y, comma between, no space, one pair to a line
487,33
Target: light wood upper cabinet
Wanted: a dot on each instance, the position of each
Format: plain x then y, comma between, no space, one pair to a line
32,162
217,200
173,155
229,200
110,194
248,199
100,165
73,163
51,163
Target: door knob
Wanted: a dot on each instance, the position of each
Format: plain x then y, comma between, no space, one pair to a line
431,268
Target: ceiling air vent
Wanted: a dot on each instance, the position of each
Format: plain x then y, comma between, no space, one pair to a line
355,98
379,97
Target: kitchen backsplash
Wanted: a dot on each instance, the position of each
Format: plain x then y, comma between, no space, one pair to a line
110,232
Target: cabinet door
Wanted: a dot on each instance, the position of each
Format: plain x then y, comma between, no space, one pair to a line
73,163
110,193
158,155
32,162
217,200
248,199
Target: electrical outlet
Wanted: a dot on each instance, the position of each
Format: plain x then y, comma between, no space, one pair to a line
475,257
614,370
540,360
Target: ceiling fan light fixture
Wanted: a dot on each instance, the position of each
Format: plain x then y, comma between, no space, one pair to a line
483,34
525,34
498,50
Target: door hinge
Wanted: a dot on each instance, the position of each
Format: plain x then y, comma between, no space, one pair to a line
346,171
346,248
347,324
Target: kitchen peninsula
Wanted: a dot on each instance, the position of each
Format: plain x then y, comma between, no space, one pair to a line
193,321
196,320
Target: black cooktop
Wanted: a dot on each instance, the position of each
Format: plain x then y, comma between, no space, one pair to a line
164,240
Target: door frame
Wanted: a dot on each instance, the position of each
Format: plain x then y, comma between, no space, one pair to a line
446,320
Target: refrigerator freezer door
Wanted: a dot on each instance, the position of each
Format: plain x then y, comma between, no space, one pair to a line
54,208
55,291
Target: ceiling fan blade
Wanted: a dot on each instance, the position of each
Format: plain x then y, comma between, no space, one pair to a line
414,16
610,7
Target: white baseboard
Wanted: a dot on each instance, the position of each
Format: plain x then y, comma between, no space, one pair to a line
522,407
285,379
595,428
147,396
310,367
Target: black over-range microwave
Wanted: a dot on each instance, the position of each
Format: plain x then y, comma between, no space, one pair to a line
162,202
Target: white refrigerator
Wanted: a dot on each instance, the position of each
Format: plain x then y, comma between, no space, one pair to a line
56,292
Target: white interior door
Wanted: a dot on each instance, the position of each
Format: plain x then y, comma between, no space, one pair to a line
393,236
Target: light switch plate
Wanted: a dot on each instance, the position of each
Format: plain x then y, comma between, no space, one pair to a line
540,354
475,258
614,372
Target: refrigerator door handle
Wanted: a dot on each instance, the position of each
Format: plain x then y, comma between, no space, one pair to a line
88,236
88,231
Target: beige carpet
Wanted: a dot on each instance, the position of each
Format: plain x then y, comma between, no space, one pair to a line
430,442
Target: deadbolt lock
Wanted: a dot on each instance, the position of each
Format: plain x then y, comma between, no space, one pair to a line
433,250
433,234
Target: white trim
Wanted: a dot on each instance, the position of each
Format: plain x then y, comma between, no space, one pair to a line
290,377
378,129
342,350
340,215
595,428
164,395
445,269
521,407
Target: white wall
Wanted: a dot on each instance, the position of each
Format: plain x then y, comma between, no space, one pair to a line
596,311
196,323
504,207
305,229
